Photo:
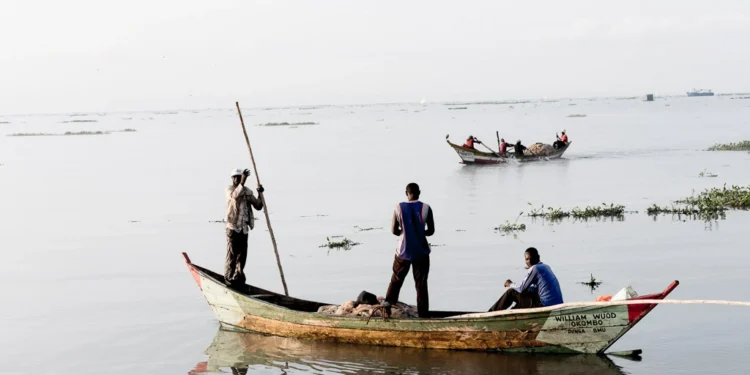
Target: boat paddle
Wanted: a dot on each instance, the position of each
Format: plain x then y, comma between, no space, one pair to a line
485,146
263,200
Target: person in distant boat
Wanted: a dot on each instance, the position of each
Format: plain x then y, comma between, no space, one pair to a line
413,222
470,142
504,147
539,287
562,141
239,221
518,149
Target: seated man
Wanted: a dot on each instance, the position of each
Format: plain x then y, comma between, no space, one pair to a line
470,142
539,287
561,141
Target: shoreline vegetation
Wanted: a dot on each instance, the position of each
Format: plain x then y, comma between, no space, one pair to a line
84,132
288,123
77,121
489,102
577,115
739,146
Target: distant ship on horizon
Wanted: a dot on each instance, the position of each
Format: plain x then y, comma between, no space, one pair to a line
700,93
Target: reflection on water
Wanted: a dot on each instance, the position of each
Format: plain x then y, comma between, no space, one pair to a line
242,353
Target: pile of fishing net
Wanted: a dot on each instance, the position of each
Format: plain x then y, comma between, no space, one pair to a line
399,310
539,149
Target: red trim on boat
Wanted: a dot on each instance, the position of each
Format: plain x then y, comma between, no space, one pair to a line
193,271
637,312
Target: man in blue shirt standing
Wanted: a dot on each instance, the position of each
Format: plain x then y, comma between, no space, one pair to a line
539,287
412,222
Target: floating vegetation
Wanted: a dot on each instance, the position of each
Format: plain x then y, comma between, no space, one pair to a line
85,132
4,122
454,108
577,115
345,244
736,197
707,174
77,121
316,215
550,213
513,227
711,204
739,146
593,283
288,123
605,210
134,221
366,229
611,210
509,227
217,221
656,210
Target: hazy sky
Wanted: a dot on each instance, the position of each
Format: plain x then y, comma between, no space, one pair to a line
94,55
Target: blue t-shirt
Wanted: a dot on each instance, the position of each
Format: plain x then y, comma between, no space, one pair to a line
540,278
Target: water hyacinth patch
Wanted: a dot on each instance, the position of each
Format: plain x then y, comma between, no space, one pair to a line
739,146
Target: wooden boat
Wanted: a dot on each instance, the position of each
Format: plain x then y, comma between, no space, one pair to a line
236,352
473,156
589,329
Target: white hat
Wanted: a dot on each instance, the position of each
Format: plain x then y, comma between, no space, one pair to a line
563,131
236,172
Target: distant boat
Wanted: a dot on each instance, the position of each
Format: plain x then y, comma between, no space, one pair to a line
700,93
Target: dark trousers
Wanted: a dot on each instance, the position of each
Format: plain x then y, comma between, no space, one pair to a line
523,300
558,144
400,270
234,265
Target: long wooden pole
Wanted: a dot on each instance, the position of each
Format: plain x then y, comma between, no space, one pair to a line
263,200
603,303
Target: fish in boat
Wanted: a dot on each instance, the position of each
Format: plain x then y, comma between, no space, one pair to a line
238,351
581,329
473,156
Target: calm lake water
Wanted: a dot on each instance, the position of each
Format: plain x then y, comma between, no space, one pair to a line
92,228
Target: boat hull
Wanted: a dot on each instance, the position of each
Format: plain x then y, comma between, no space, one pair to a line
472,156
571,330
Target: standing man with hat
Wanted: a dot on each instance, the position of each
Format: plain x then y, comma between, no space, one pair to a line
239,221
